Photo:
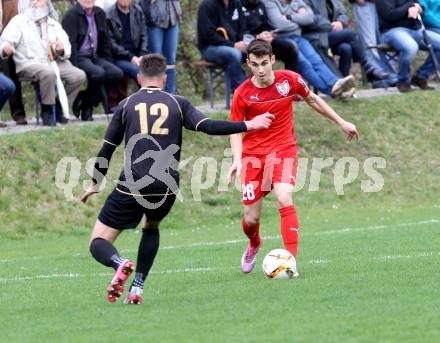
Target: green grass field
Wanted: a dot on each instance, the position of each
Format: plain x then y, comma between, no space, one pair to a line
368,262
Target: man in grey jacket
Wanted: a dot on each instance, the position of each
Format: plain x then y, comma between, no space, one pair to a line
28,37
329,30
287,17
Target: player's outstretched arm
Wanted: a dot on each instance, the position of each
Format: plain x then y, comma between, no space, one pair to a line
226,127
320,106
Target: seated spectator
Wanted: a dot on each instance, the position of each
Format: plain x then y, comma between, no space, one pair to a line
9,9
258,26
220,29
329,30
162,18
287,17
128,36
367,26
91,51
400,28
7,88
105,4
28,37
431,14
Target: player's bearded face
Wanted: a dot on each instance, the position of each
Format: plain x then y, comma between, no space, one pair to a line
261,67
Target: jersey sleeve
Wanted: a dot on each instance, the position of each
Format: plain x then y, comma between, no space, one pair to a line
116,129
238,109
192,117
301,87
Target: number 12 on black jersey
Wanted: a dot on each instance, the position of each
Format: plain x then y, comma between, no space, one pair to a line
158,109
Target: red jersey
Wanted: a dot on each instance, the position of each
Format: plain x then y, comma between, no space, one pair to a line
250,101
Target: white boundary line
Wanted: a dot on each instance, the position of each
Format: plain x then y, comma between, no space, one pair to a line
328,232
321,261
237,241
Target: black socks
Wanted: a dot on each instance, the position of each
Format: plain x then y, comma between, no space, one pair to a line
105,253
147,251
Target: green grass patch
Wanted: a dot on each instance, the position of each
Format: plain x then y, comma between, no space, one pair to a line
400,129
368,261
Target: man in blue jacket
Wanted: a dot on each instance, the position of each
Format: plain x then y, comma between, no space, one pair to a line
431,14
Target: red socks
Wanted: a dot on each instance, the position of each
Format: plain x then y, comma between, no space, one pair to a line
253,233
289,228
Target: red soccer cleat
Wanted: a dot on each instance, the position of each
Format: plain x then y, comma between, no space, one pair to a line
134,296
116,287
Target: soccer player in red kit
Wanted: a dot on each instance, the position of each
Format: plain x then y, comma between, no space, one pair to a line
266,159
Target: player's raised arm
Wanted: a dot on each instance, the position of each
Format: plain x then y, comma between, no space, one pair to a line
320,106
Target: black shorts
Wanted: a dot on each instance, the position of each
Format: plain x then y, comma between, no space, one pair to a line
123,211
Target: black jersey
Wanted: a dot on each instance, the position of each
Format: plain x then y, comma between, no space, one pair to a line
151,121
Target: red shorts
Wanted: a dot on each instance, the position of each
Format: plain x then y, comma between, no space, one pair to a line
260,172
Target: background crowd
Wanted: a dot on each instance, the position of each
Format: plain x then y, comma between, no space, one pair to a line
94,49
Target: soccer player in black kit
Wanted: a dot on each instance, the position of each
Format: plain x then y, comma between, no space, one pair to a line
151,121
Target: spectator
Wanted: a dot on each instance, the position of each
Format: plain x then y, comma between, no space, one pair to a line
162,18
431,14
329,30
287,17
258,26
27,37
7,88
367,26
10,9
220,28
91,51
105,4
401,29
128,36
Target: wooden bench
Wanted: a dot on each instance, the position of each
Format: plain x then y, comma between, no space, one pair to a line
214,71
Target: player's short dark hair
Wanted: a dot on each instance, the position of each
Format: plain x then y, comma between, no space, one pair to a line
259,48
153,65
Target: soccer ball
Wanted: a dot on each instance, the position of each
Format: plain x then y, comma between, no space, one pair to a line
280,264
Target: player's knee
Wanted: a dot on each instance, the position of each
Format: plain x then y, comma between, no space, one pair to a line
251,218
94,243
284,200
